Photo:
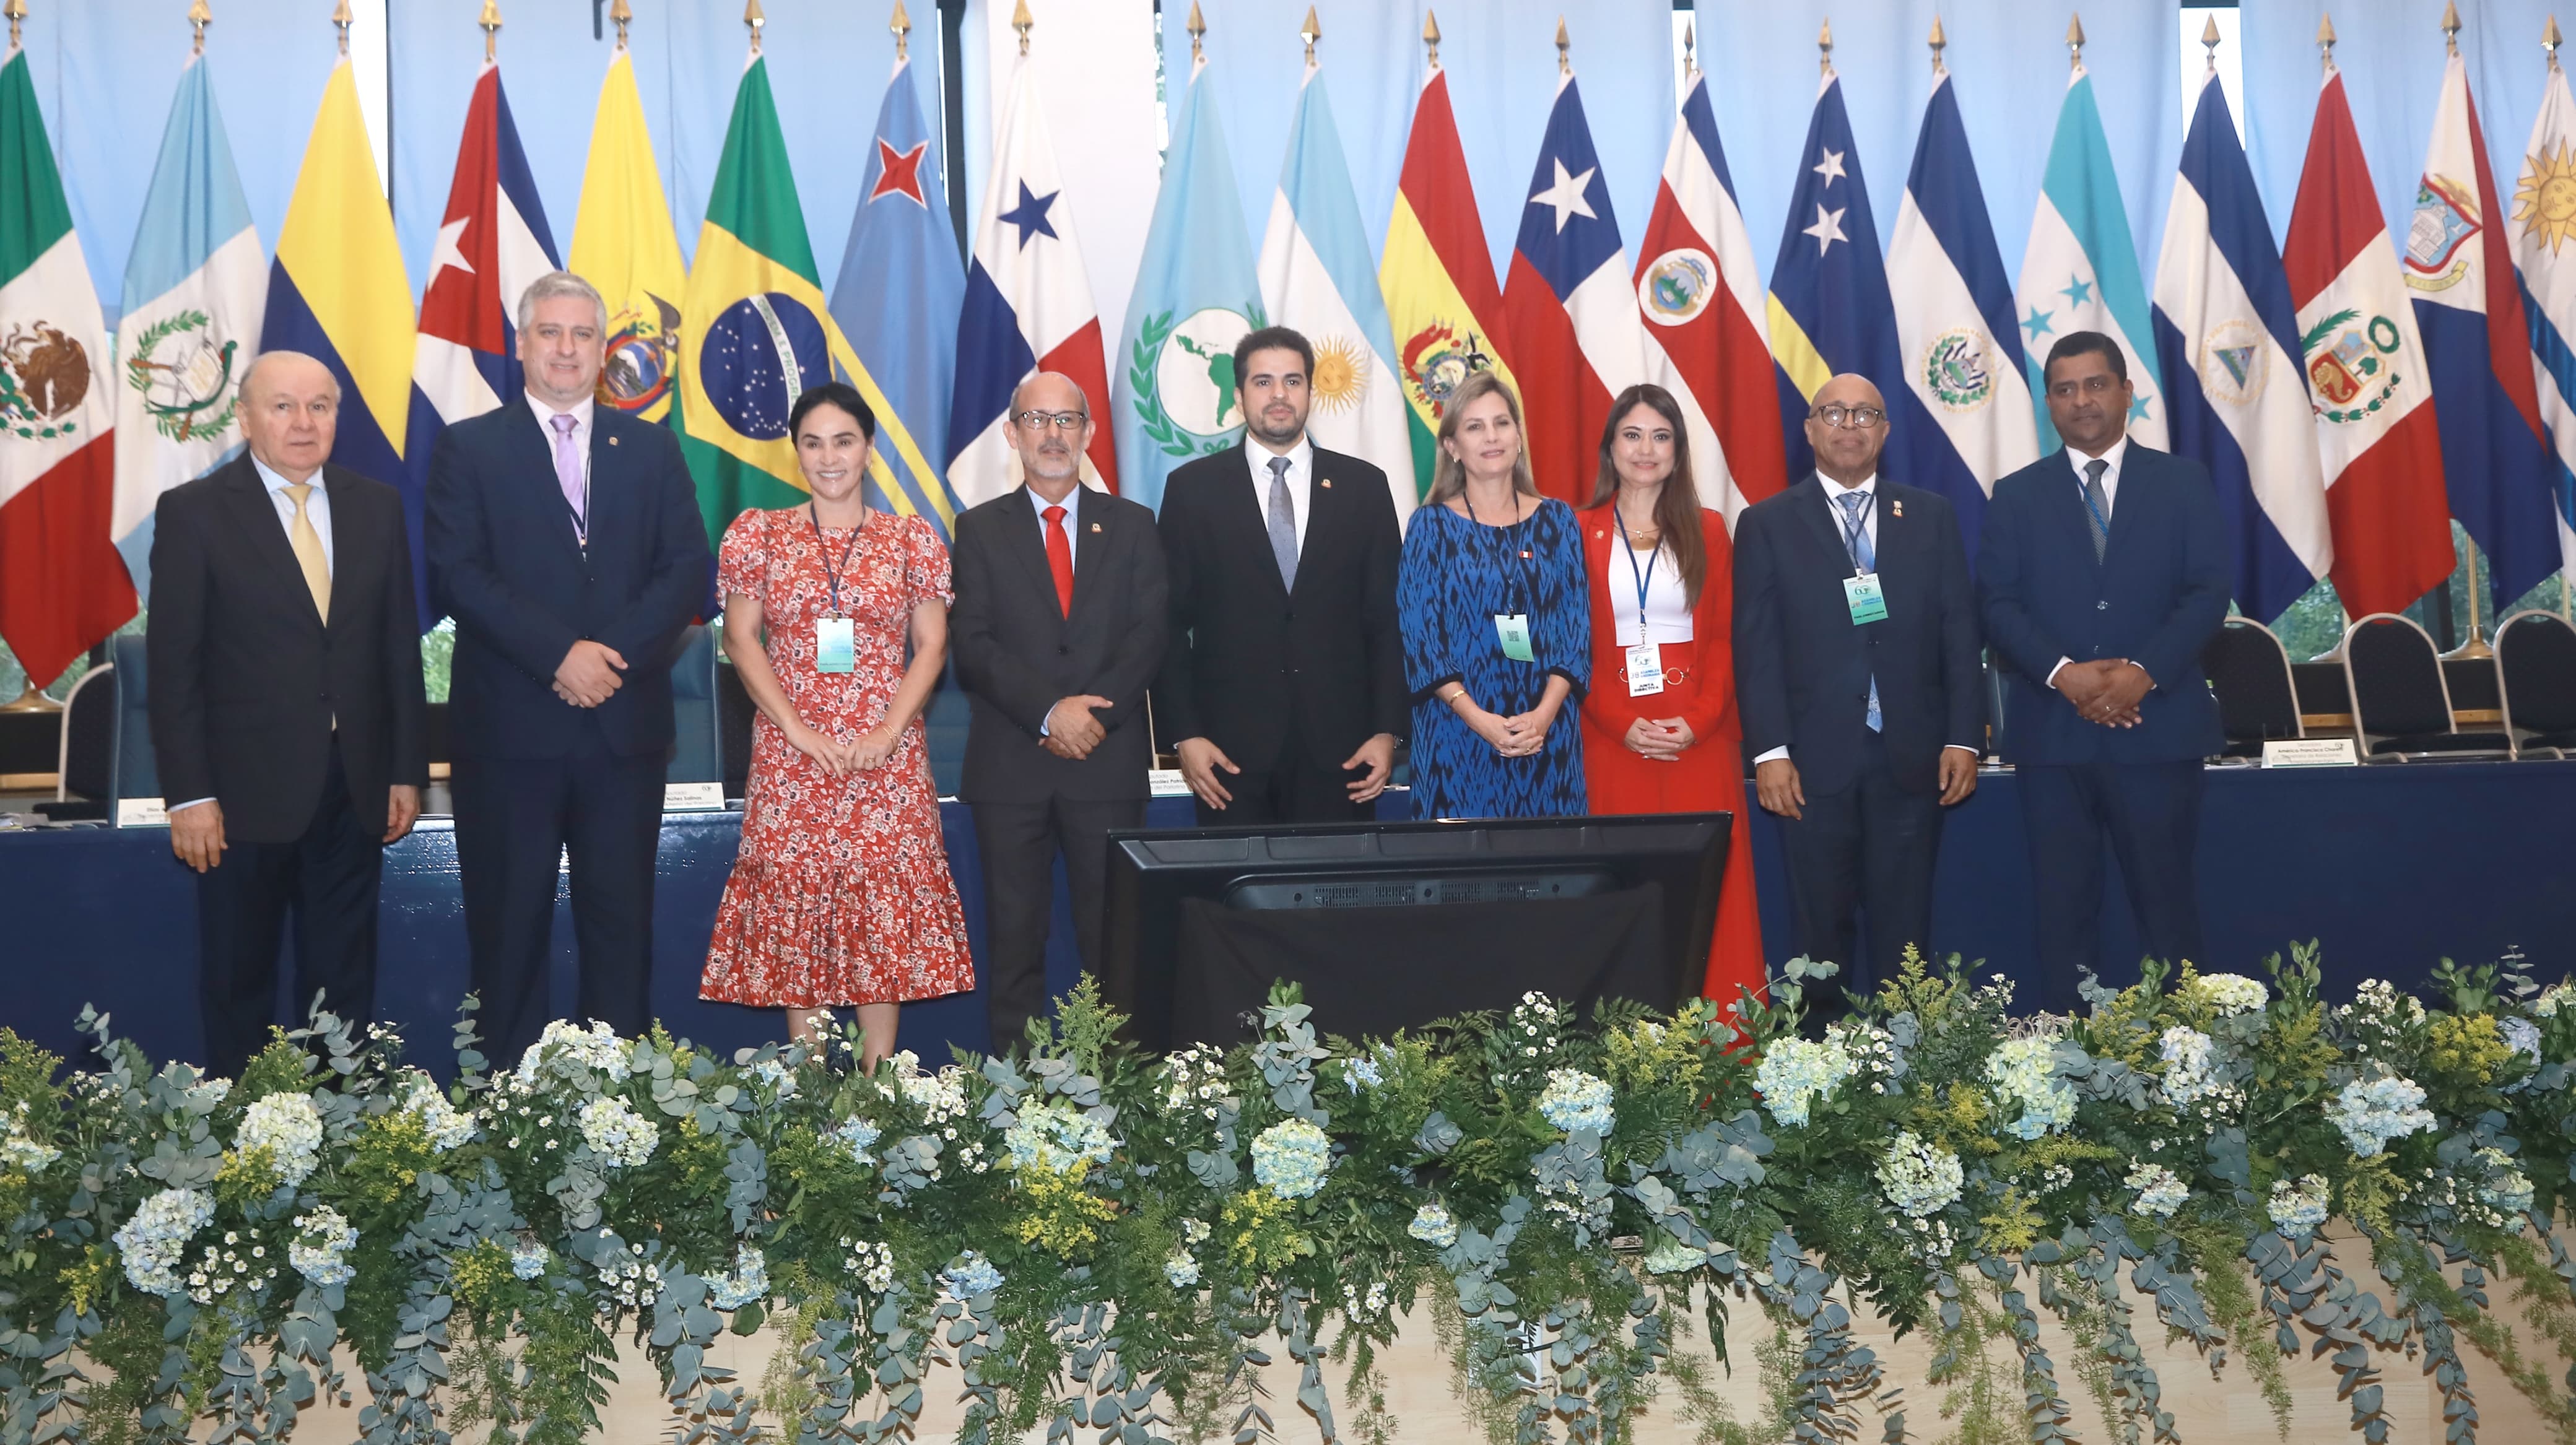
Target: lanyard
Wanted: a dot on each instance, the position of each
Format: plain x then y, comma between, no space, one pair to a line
1644,579
1855,522
1529,590
815,517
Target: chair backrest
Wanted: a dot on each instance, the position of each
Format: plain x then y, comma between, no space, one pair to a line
1998,687
2249,670
697,743
2395,676
2536,672
85,758
138,768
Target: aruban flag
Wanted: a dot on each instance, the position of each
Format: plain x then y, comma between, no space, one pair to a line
194,285
623,243
1028,309
2380,451
1576,336
2543,224
62,586
1445,311
2080,271
492,244
1697,286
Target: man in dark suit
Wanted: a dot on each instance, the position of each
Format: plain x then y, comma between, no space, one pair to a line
2104,573
1057,631
1283,677
1856,670
565,539
287,711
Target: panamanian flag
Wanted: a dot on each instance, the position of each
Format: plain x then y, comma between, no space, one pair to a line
2544,222
2080,270
2227,340
1028,308
492,244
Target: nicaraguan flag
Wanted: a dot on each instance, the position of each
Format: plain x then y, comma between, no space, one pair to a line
492,244
1954,312
2227,339
2080,271
1196,295
194,285
2543,226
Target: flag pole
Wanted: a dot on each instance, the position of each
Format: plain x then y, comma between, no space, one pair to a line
2075,42
1198,37
752,18
1937,42
901,25
16,10
1564,48
33,698
1023,22
198,17
489,22
1310,32
1431,36
1690,51
340,19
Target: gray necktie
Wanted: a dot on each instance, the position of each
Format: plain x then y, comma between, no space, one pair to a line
1283,524
2097,505
1864,555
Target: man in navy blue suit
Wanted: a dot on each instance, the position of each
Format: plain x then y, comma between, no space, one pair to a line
564,538
2103,575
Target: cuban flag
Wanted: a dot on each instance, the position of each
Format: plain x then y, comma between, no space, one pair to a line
1954,314
2227,342
2080,270
1702,300
1028,308
2497,466
2544,223
491,245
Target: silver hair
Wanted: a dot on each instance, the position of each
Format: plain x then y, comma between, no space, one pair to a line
253,369
560,283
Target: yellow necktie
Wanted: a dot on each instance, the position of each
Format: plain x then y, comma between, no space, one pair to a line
308,550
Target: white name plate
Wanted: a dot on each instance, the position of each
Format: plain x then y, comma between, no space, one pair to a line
1167,783
2310,753
141,813
691,797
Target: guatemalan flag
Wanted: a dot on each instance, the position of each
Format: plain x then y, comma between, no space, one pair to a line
1699,292
2227,341
491,244
2497,464
2545,222
1954,314
1577,341
1028,308
2080,270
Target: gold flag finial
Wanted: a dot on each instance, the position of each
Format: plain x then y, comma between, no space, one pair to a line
1198,35
198,16
621,15
2451,26
1311,32
2325,40
1431,35
754,19
340,20
2209,41
1023,22
1825,47
2075,42
1564,46
490,23
1690,45
1937,41
901,25
2549,40
16,10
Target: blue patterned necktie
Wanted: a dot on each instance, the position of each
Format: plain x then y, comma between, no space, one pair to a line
2097,506
1865,557
1283,524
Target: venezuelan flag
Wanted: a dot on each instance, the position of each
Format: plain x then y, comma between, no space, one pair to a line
337,292
1438,275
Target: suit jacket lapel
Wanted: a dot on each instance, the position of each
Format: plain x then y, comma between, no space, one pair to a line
1101,534
2136,491
255,514
350,570
1819,511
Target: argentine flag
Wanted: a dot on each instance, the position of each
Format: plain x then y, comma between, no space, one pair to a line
1954,311
195,284
2540,250
2228,340
1317,275
2080,272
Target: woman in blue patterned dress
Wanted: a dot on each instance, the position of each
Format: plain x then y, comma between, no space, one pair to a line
1497,624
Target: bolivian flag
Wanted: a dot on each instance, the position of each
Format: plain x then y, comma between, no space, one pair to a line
755,330
1438,276
622,243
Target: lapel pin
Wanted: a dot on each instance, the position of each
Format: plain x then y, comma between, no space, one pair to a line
1895,507
1328,484
612,441
1095,526
1524,554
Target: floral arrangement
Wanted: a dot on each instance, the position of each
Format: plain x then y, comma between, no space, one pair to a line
1087,1238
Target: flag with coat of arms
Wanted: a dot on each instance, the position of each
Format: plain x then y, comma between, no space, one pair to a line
492,245
624,244
2080,270
2544,215
1442,306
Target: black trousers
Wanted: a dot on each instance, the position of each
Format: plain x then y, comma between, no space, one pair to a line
517,820
1019,843
327,879
2151,813
1869,847
1290,788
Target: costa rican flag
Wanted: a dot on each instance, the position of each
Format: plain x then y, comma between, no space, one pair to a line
491,245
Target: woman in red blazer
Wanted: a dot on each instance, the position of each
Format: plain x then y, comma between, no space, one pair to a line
1660,565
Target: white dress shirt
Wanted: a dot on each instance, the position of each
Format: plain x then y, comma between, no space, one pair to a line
1301,480
317,510
2118,453
1072,505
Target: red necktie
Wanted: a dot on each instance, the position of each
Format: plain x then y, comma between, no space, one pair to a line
1060,558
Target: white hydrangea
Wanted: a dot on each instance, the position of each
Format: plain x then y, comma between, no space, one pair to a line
449,1127
1058,1138
1291,1158
2186,1054
1181,1270
857,1136
1362,1073
155,1238
528,1259
1434,1225
2297,1209
2552,999
20,1152
780,1078
1574,1101
2371,1114
747,1281
2232,993
2522,1036
1796,1072
290,1127
209,1094
970,1276
1920,1177
940,1096
2024,1072
597,1048
2160,1191
320,1253
616,1132
2506,1188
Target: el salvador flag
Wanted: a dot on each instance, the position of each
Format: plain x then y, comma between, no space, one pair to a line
2227,341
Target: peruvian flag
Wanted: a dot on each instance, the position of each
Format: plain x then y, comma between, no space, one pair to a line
1702,300
1028,309
491,245
2368,382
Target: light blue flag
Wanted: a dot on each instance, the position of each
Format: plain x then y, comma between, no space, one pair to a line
899,292
1172,393
2080,271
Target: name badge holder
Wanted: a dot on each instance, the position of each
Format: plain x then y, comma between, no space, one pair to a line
1861,591
1645,665
1512,628
835,635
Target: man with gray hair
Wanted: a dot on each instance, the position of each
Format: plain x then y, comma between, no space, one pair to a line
565,540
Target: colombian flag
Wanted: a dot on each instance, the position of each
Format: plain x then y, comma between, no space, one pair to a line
337,292
755,330
1438,275
623,243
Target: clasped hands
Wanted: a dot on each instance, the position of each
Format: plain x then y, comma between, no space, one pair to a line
588,674
1660,739
867,751
1071,730
2106,692
1519,736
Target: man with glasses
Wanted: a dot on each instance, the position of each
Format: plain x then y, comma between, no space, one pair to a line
2103,573
1057,632
1856,671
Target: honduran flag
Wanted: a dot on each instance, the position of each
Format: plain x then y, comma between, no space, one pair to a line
2376,440
492,244
1697,287
2543,227
2227,342
2497,465
1576,338
2080,270
1028,309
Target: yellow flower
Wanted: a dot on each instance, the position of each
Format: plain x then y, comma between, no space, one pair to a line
2468,1046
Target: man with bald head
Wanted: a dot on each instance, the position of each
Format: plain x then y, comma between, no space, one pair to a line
1857,674
1058,631
286,701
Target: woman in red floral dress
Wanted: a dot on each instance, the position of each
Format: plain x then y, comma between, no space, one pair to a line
841,894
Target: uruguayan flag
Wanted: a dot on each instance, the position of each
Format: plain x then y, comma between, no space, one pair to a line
2080,272
2543,225
2228,341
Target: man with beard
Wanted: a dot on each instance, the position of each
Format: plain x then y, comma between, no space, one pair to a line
1283,678
1057,632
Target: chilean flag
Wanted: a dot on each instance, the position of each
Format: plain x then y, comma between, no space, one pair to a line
1697,287
1028,309
491,245
1576,339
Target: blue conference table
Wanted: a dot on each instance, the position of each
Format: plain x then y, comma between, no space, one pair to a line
2392,868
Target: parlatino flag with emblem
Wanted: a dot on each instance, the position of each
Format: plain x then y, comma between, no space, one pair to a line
2544,217
1196,295
2080,270
492,244
755,330
2377,445
194,285
1437,275
2227,342
1317,276
624,244
62,586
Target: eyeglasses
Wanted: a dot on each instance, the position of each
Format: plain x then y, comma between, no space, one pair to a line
1835,414
1060,420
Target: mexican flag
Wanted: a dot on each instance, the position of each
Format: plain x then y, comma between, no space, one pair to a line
62,586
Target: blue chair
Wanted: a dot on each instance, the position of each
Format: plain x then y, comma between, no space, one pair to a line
137,770
697,744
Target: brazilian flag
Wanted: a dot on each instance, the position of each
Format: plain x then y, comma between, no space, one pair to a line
757,330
